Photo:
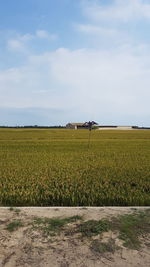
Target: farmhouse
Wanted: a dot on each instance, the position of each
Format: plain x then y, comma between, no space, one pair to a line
80,125
75,125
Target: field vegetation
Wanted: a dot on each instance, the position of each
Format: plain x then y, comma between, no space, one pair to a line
47,167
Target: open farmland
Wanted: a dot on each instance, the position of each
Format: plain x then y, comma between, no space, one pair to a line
41,167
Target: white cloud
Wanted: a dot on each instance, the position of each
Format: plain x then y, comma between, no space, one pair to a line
15,45
12,75
87,80
45,35
26,37
98,30
42,34
20,43
120,10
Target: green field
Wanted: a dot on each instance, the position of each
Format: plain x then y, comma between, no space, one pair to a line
56,168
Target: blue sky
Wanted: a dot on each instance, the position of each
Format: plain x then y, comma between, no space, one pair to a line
74,60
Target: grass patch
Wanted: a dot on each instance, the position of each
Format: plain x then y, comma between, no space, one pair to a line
53,225
103,248
14,225
131,227
92,227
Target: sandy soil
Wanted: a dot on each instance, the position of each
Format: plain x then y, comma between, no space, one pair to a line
28,247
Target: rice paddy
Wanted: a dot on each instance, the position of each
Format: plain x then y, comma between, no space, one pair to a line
55,167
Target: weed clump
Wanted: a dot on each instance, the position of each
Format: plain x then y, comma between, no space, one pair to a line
104,247
131,227
14,225
53,225
92,227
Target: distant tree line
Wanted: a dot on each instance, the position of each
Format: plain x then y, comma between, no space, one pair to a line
36,127
62,127
142,128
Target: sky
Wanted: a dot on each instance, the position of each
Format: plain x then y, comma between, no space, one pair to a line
73,61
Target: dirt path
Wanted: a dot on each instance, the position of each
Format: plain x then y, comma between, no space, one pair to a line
28,246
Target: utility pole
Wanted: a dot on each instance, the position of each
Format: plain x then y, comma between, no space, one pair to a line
90,124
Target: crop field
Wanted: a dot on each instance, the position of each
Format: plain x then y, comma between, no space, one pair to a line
50,167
